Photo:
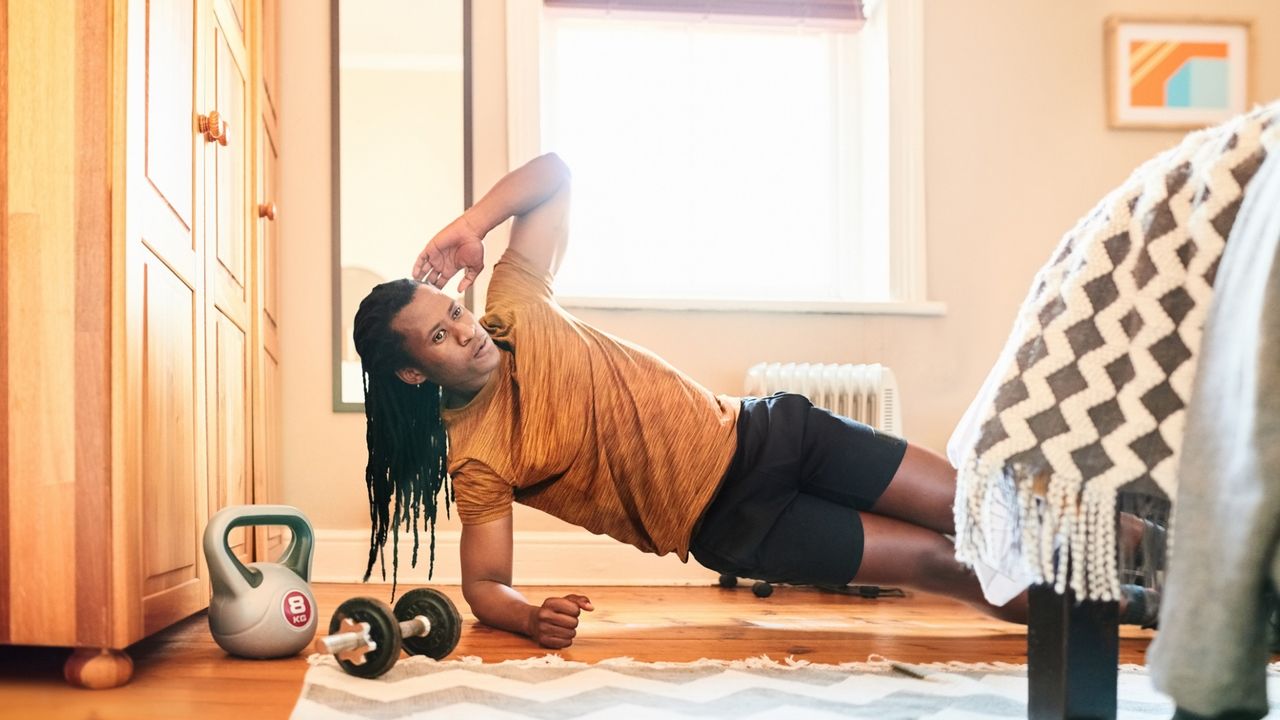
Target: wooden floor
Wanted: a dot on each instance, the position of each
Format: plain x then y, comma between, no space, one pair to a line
181,672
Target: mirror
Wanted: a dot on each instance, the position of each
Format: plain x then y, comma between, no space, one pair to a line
401,153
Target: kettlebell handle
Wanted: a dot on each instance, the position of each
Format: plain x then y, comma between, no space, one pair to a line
227,573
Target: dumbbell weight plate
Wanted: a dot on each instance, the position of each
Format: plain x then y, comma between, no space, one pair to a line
446,623
383,628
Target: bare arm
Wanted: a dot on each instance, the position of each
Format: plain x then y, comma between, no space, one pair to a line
486,585
535,194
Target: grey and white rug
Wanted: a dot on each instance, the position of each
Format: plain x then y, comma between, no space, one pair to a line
551,687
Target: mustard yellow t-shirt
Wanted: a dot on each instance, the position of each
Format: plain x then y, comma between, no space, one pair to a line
585,426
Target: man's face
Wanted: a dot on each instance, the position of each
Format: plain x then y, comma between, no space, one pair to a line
450,347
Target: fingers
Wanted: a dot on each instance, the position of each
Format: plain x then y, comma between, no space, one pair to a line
555,636
555,630
557,620
468,277
436,267
429,260
431,266
422,268
555,643
560,611
435,274
436,277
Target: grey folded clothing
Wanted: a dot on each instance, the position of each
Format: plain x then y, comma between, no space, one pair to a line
1212,651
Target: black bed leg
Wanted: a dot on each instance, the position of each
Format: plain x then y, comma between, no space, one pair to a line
1073,654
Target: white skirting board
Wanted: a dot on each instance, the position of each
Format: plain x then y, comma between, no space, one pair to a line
540,558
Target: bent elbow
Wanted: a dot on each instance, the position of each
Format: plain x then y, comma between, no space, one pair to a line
471,593
562,168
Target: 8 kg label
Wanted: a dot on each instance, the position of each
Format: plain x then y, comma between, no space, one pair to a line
297,609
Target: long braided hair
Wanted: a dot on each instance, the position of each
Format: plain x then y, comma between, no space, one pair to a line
408,446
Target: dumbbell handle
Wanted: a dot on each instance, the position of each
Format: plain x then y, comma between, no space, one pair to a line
419,626
352,644
345,642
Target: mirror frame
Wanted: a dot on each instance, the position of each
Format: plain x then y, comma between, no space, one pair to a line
336,182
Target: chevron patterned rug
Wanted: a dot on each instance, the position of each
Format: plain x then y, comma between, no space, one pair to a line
551,687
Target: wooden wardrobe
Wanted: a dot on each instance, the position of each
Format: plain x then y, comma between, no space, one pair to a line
139,312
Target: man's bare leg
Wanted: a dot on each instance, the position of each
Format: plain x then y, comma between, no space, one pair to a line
904,541
923,492
899,553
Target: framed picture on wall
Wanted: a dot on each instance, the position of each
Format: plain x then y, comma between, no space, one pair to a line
1176,73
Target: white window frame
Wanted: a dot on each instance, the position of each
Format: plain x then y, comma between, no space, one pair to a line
893,33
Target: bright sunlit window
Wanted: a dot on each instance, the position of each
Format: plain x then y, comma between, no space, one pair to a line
716,159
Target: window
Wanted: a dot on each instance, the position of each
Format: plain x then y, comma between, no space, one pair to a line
719,161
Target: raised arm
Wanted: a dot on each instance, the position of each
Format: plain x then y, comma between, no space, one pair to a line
486,585
535,194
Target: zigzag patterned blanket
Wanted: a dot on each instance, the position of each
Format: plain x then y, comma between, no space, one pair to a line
546,688
1087,399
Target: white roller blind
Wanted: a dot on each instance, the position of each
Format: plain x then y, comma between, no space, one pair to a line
712,158
849,10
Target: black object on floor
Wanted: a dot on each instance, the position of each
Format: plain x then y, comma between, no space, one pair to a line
763,589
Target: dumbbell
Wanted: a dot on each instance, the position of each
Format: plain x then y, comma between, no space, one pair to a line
366,635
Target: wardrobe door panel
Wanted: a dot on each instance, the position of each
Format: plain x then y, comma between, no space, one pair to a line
230,434
170,40
270,55
166,478
227,194
270,234
170,513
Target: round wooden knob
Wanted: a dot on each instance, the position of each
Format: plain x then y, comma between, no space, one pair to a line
210,125
267,210
98,669
213,127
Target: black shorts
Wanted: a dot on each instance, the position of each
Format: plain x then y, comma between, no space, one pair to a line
786,510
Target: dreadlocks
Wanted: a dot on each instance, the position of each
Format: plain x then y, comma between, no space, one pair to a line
408,446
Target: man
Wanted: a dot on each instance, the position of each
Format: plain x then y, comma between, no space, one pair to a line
541,408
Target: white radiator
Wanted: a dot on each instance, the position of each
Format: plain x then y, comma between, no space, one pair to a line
866,393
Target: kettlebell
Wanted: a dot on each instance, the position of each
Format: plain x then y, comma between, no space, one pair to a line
265,610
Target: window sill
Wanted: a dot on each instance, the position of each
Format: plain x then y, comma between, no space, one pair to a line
823,307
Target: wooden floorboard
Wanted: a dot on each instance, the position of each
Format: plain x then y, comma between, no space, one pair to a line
180,672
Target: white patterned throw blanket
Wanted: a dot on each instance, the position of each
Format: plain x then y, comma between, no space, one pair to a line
549,688
1087,400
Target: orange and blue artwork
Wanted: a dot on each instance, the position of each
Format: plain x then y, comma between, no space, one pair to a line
1172,74
1175,74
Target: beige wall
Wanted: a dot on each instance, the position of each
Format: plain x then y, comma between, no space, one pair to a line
1016,149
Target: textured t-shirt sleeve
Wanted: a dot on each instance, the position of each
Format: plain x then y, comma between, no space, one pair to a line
516,281
481,495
